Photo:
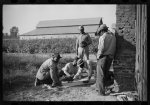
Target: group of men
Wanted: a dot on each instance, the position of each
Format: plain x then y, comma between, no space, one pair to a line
48,72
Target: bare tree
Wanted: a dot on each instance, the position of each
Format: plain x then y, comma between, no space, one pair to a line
14,31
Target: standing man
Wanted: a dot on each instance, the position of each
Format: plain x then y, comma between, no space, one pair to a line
82,44
48,72
105,55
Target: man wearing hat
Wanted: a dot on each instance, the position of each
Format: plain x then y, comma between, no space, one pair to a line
82,44
84,66
105,55
69,70
48,72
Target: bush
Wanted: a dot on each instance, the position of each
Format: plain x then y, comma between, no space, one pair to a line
63,45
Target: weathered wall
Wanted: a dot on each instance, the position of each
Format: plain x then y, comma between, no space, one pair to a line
124,63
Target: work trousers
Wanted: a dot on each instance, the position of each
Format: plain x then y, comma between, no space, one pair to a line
103,66
50,77
47,79
83,52
55,76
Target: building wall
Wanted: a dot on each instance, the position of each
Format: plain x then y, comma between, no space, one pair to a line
124,63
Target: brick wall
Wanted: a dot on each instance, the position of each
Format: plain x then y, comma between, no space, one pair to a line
124,63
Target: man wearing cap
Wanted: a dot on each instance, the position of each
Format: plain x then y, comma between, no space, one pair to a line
69,70
84,66
82,44
48,72
105,55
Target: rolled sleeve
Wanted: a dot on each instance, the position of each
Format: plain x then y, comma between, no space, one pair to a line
100,47
65,68
78,73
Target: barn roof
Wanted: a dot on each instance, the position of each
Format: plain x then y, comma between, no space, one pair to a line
60,30
65,26
68,22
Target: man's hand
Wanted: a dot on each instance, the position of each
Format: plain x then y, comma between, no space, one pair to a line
99,56
72,75
95,50
75,77
68,75
84,44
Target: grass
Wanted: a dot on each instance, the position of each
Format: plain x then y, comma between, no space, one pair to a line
19,69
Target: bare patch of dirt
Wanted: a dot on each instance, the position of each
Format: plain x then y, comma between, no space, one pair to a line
76,92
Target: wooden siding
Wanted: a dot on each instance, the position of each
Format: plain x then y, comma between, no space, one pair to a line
141,52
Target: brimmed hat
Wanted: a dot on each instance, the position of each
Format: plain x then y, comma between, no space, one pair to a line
56,55
102,27
81,27
80,62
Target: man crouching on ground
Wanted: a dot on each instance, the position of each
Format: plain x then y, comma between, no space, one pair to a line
69,70
84,66
48,72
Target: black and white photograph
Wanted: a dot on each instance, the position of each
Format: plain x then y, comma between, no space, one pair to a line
75,52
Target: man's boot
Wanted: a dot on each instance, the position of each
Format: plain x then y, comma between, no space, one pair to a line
87,81
93,86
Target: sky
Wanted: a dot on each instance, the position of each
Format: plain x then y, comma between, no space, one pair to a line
26,17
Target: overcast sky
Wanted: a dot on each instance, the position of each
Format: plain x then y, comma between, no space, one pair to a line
26,17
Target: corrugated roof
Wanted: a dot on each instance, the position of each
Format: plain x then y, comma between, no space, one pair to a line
68,22
61,30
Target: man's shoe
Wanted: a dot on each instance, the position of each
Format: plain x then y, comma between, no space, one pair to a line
59,84
101,94
93,86
86,81
56,85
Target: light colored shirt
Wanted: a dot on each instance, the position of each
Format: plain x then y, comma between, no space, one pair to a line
48,65
107,44
86,37
69,68
87,68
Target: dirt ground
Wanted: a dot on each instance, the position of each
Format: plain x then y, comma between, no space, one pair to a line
77,91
